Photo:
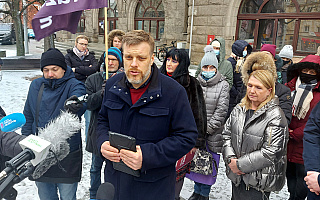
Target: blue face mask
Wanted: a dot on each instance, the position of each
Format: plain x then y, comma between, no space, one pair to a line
217,52
244,53
208,75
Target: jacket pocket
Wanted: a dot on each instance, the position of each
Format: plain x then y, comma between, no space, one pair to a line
155,123
156,174
113,105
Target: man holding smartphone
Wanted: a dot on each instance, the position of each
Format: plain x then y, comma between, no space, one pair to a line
152,108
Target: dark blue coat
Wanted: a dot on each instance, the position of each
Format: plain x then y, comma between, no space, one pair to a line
311,141
163,125
237,48
55,93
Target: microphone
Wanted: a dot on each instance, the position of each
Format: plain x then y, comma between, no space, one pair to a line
105,191
12,122
41,151
57,132
34,151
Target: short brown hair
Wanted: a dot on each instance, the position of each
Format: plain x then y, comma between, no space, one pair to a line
115,33
82,37
136,37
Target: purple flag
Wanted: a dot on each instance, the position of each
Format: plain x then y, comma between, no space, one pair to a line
56,15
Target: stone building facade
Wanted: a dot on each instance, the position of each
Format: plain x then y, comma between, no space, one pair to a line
280,22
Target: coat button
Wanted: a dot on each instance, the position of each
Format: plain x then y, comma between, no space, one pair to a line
158,95
151,97
145,101
114,86
119,89
126,92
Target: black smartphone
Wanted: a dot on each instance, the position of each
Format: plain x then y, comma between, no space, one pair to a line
121,141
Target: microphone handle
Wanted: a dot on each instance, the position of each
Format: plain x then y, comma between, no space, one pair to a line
18,161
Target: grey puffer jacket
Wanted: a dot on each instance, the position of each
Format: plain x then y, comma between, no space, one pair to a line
260,145
216,95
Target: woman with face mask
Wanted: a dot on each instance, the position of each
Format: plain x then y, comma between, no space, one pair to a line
303,81
176,66
216,93
286,55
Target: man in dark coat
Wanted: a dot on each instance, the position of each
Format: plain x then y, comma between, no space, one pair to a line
81,60
94,88
152,108
240,50
59,85
311,153
83,64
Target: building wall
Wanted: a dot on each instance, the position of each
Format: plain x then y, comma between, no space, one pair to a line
211,17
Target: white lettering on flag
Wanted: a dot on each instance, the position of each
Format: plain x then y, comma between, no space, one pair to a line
47,20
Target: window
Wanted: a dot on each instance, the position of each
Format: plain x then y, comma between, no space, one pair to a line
149,16
82,23
306,28
112,12
280,22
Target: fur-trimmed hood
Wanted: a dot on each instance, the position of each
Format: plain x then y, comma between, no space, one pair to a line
310,62
256,61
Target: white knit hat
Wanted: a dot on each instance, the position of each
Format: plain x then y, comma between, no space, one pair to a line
209,57
286,52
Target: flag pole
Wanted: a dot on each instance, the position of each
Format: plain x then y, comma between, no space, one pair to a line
106,39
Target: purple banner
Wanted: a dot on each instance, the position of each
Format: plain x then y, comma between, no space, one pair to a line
56,15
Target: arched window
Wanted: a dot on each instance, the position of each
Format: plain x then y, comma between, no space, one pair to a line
149,16
280,22
82,23
112,17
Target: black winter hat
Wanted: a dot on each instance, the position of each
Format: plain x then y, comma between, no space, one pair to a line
53,57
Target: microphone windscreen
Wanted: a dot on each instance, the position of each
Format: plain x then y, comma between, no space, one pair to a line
12,122
105,191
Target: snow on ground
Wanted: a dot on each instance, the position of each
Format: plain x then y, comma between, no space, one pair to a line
14,89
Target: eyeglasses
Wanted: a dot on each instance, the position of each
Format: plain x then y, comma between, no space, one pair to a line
82,44
210,67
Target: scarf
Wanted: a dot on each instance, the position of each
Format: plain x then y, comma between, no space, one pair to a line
80,54
302,97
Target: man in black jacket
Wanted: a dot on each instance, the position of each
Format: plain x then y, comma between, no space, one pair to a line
83,64
94,88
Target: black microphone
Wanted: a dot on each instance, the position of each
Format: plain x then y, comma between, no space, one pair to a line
105,191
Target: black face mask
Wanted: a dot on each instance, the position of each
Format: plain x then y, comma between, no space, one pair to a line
286,62
307,78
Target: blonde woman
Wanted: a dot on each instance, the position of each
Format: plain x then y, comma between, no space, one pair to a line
255,138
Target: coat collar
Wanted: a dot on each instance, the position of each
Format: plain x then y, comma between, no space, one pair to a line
153,92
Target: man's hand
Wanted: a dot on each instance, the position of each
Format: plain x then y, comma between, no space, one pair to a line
193,150
73,104
312,181
132,159
234,168
109,152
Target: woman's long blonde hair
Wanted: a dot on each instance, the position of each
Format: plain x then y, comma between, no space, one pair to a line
267,79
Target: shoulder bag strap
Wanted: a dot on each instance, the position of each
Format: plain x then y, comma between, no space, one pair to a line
38,106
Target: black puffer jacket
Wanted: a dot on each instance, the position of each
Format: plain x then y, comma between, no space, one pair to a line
82,69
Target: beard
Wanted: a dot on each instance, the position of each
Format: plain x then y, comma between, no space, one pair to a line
138,79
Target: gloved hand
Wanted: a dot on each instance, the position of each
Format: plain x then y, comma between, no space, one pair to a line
73,104
103,87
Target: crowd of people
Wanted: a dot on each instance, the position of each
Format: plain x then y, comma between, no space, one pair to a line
259,111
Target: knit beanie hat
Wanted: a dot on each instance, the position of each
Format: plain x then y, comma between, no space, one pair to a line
53,57
286,52
215,43
117,53
270,48
209,57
